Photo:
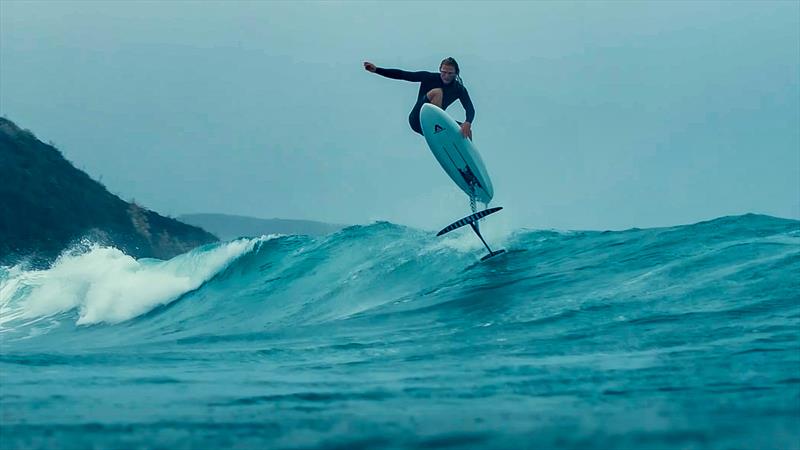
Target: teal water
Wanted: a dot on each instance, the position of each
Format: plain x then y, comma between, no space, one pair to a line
383,336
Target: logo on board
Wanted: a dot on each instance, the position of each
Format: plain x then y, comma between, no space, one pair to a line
437,128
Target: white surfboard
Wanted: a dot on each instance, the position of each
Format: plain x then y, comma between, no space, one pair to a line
457,155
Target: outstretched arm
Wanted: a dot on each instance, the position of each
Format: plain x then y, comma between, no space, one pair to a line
396,74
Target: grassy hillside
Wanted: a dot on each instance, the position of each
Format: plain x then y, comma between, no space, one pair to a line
46,205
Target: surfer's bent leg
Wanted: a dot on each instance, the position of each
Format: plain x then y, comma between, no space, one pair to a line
413,118
435,96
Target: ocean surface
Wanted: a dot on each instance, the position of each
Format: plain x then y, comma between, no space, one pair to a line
383,336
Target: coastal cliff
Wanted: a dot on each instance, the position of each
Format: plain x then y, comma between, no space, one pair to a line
47,205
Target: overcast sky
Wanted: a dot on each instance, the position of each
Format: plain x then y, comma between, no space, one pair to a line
589,115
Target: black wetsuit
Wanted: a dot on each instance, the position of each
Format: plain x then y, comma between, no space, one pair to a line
431,80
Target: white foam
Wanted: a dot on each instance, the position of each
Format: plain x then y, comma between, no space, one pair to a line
12,286
106,285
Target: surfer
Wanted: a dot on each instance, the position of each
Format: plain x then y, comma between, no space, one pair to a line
440,89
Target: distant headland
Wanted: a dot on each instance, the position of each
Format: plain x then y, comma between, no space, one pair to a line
47,205
229,227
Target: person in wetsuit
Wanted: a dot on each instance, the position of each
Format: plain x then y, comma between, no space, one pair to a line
440,89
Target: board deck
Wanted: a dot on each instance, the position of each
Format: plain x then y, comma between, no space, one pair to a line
457,155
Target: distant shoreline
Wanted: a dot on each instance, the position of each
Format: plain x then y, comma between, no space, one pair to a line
229,226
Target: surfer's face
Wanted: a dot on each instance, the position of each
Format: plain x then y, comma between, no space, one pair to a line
448,73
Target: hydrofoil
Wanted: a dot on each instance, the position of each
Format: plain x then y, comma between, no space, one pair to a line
461,161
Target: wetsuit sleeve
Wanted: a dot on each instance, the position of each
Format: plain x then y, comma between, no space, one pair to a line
398,74
466,102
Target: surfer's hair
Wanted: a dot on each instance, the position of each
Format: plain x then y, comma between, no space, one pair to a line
450,61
